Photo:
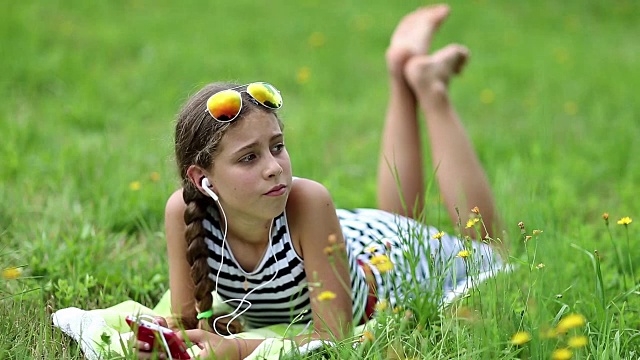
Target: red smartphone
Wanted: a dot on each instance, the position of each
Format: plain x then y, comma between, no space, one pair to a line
153,334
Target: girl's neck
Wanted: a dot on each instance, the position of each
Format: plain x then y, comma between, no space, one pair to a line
251,231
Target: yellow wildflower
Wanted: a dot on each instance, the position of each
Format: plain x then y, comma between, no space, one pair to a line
382,305
154,176
571,108
303,75
520,338
439,235
328,250
317,39
397,309
547,333
371,249
135,185
536,232
464,254
367,335
571,321
326,295
11,273
539,266
561,354
578,341
382,263
625,221
472,222
487,96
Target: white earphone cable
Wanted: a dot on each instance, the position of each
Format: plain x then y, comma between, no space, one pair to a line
236,313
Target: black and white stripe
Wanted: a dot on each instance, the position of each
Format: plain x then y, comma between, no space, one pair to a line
279,283
278,287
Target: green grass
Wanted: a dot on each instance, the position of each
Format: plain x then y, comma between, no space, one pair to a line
89,93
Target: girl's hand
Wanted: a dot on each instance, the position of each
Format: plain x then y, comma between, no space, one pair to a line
143,348
210,344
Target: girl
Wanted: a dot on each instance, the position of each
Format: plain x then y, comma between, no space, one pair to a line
243,227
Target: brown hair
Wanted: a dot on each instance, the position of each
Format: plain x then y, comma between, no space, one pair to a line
197,141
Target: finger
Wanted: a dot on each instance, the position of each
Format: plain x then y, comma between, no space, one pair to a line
204,353
142,345
161,321
194,335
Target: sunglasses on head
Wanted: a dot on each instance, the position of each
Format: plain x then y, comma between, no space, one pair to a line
225,105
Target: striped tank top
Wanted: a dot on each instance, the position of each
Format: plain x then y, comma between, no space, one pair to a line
277,289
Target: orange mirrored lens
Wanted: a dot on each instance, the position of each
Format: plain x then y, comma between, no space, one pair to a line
265,94
224,105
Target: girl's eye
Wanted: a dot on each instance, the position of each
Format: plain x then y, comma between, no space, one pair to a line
277,147
247,158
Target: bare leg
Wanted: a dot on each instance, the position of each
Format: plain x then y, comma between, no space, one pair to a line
400,174
461,179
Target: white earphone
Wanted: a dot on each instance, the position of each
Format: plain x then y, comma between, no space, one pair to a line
205,186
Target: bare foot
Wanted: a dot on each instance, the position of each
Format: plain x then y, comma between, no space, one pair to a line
413,35
428,73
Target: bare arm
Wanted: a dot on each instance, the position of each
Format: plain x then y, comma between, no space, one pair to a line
313,219
180,282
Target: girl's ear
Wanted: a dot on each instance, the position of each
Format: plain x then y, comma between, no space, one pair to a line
196,174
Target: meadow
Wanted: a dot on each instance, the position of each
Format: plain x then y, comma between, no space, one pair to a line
89,92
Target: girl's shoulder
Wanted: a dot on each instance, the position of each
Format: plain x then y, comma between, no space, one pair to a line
305,194
175,204
309,201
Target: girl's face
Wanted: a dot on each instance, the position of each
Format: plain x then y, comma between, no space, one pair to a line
252,171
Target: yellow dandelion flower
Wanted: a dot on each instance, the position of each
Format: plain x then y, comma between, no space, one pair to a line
578,341
472,222
439,235
371,249
326,295
367,336
487,96
548,333
362,22
570,108
382,305
303,75
561,354
154,176
625,221
332,239
571,321
11,273
135,185
561,56
317,39
382,263
520,338
397,309
464,254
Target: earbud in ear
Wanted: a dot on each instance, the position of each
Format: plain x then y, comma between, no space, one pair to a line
205,186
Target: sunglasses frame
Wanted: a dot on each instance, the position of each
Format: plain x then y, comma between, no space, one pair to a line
251,97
